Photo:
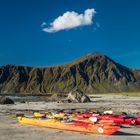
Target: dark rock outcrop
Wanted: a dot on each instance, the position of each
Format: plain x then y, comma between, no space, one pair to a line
6,100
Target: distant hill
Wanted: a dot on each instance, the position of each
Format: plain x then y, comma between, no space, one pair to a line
92,73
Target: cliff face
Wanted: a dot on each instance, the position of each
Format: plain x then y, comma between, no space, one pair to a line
91,73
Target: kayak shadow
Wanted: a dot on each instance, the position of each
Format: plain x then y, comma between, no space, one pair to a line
125,126
125,134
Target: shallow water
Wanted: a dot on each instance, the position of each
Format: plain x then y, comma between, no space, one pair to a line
28,98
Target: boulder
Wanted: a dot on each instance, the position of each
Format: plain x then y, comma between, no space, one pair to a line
54,97
78,96
6,100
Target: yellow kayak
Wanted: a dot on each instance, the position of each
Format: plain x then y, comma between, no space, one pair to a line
72,125
38,114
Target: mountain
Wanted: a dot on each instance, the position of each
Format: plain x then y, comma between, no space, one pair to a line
92,73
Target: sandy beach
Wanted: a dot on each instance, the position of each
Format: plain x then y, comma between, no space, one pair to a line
10,129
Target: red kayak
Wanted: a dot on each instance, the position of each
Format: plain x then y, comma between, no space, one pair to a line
119,119
85,115
138,121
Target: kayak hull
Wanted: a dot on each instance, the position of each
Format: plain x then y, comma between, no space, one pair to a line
72,126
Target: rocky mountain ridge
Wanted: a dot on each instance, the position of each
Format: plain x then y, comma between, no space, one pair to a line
92,73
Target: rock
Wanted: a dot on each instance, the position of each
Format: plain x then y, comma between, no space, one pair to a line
22,102
78,96
54,97
6,100
64,101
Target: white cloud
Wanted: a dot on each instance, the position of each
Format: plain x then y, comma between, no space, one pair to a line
43,24
70,20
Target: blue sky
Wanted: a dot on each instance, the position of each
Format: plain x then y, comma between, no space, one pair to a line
114,31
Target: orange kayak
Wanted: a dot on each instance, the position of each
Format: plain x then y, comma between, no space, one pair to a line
71,126
88,120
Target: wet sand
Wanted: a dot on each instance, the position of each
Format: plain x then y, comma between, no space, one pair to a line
10,129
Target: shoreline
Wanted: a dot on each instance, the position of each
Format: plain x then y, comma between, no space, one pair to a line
11,129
